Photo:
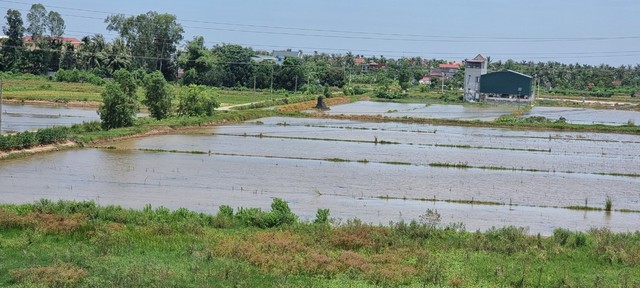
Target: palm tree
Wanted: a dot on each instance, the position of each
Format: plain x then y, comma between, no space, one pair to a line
93,51
118,56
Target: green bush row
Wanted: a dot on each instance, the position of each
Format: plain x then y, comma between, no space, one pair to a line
29,139
77,76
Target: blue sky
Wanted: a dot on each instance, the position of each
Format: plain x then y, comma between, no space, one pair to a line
586,32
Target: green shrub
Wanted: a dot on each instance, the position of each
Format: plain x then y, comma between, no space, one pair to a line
92,126
225,210
26,139
251,217
279,215
322,216
118,108
158,95
77,76
52,135
197,101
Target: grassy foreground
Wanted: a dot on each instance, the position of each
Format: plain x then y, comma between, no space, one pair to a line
79,244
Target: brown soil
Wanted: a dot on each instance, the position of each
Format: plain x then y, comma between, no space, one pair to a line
311,104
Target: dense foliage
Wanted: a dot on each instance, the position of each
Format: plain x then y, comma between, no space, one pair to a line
158,95
149,42
27,139
78,76
197,101
119,103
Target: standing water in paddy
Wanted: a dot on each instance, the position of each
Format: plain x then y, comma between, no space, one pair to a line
378,172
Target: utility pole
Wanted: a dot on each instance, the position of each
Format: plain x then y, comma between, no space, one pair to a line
296,89
442,78
1,88
271,78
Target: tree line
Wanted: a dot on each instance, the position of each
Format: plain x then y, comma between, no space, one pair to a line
150,42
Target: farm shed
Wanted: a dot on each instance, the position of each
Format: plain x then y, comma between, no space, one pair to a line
506,84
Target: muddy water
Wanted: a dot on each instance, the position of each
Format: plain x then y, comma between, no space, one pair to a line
464,112
288,161
16,118
587,116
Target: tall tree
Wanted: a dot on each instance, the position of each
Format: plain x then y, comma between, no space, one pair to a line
196,61
55,24
152,37
69,59
12,48
127,83
290,76
234,65
47,53
38,20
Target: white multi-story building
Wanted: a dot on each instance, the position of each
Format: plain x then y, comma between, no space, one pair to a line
474,68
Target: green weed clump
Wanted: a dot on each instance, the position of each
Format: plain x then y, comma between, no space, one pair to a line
78,76
279,215
608,204
80,244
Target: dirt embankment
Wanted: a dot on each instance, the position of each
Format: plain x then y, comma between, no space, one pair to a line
39,149
307,105
74,104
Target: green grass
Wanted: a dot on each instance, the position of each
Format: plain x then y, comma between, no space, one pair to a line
79,244
43,89
40,88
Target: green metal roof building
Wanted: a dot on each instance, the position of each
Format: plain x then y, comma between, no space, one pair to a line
505,84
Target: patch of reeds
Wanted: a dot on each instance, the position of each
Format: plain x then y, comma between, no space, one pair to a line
475,202
584,208
337,160
396,163
461,165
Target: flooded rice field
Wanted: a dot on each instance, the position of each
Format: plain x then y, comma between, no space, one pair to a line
17,117
464,112
485,112
377,172
587,116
